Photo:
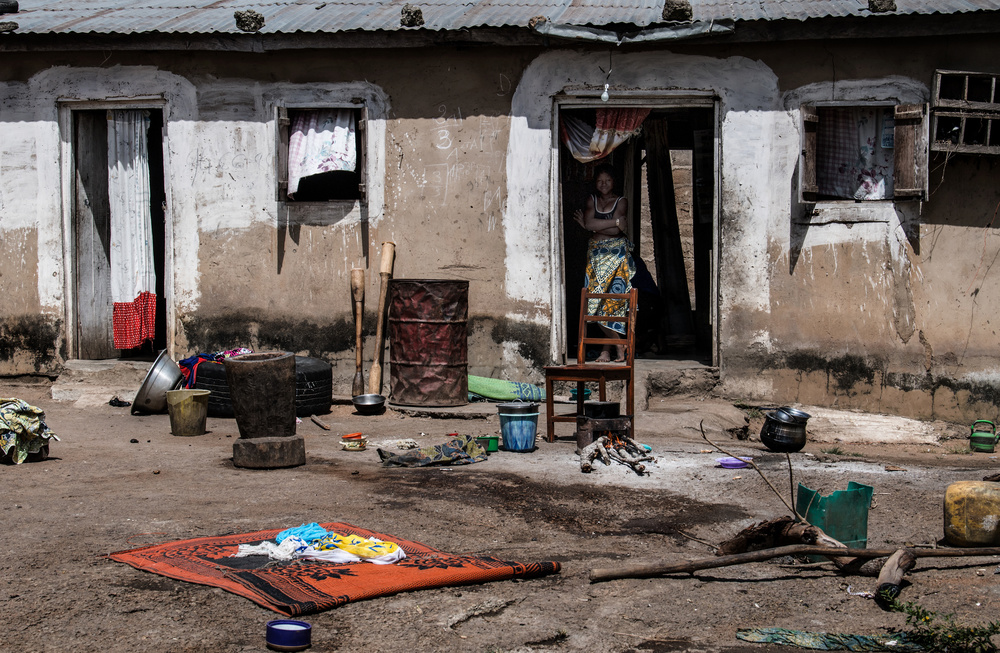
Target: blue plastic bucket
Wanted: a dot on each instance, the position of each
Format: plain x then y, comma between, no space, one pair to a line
518,427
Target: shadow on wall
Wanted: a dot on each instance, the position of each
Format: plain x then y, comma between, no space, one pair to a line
907,214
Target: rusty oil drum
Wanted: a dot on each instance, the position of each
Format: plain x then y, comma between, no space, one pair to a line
429,342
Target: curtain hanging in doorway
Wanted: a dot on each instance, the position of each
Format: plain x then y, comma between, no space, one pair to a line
614,126
320,141
133,275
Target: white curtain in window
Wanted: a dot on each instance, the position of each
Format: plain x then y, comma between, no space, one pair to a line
320,141
133,275
854,152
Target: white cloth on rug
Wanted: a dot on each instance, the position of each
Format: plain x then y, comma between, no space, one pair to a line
341,556
287,550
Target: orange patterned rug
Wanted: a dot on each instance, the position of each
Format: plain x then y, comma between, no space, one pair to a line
303,587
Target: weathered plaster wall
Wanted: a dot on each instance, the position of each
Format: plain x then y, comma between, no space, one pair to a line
831,303
874,306
877,306
29,336
242,268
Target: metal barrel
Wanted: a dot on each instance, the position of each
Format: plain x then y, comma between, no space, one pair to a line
429,342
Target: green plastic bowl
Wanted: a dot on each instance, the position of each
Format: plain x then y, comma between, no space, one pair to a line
489,442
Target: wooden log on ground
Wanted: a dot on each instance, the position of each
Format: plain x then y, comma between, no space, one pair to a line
765,535
784,531
891,576
662,568
592,451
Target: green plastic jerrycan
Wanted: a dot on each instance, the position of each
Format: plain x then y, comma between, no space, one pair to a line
843,515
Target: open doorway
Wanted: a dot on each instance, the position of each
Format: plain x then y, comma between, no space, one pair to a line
667,173
92,228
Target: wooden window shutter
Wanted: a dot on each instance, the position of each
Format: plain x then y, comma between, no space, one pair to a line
910,158
807,171
281,161
362,160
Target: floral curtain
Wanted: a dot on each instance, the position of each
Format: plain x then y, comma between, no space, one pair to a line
855,152
320,141
614,126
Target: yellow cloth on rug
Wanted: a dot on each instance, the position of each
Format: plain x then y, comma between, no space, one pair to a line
356,545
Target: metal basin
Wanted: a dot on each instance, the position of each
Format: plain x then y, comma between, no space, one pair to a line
163,375
369,404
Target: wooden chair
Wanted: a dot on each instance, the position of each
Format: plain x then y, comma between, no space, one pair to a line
583,372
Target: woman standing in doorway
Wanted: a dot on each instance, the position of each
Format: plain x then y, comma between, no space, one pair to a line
610,266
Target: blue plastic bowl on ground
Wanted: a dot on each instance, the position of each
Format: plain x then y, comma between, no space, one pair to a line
288,635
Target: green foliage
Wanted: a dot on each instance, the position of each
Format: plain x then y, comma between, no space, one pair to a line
835,451
943,635
753,411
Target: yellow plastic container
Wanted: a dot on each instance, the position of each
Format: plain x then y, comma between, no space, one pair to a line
188,411
972,514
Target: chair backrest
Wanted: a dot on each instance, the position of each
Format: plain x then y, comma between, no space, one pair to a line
629,301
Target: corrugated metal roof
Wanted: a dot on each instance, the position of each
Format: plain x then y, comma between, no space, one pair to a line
331,16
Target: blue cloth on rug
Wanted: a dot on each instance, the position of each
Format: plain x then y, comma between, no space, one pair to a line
307,532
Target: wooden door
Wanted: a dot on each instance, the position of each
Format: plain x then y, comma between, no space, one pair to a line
92,226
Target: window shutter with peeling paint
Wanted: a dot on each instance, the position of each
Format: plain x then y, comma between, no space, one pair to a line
910,159
807,166
362,156
281,161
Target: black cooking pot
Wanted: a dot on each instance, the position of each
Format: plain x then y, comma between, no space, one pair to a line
781,434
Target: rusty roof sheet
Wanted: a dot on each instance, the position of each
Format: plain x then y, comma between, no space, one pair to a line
331,16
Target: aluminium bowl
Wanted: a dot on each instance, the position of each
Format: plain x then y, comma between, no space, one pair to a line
163,375
370,404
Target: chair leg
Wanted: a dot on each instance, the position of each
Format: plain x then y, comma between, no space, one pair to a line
550,422
630,399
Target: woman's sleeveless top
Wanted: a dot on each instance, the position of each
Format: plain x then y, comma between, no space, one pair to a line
609,215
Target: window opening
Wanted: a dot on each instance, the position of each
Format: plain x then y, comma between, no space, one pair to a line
854,153
864,153
966,113
322,154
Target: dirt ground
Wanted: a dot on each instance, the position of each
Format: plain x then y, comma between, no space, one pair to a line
117,481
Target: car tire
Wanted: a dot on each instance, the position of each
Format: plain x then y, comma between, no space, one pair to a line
313,387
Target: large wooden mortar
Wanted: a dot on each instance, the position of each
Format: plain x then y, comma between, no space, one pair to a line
262,388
